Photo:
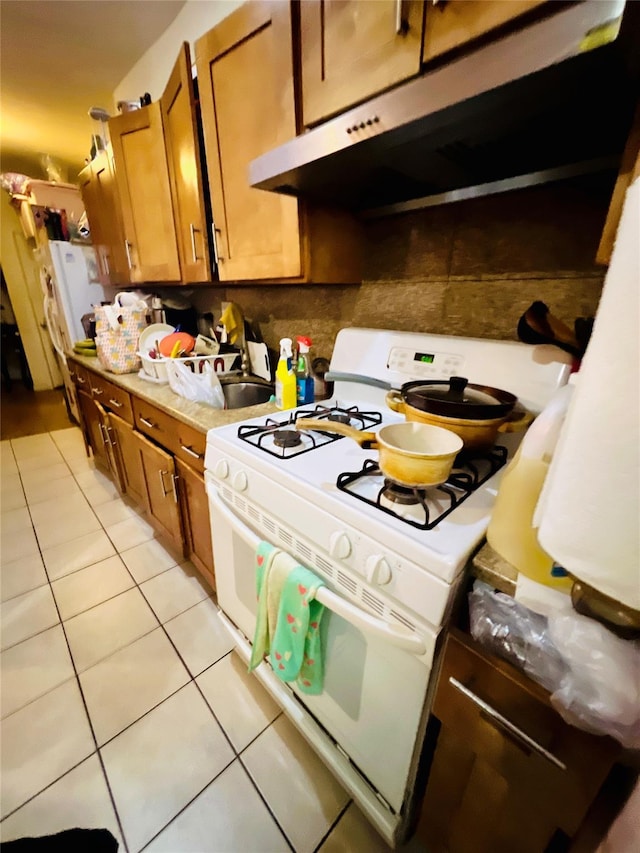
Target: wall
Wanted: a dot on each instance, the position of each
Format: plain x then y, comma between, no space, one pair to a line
470,268
151,72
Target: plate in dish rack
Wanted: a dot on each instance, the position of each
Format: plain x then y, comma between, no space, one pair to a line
154,332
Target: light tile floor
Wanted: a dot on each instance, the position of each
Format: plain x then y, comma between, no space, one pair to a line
123,705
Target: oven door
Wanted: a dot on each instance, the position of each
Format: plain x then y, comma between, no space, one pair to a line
376,670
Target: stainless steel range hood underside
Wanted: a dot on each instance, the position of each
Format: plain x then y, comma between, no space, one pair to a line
535,100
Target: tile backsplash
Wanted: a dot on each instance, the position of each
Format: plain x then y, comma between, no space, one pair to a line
469,268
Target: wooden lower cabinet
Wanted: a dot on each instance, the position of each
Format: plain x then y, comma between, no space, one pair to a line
195,515
162,491
508,774
154,459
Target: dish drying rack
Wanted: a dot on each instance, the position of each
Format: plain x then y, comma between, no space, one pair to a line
155,370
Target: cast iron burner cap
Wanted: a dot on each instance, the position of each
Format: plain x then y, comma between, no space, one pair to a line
339,417
403,495
287,438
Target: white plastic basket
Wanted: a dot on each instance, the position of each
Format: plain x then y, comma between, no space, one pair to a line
156,369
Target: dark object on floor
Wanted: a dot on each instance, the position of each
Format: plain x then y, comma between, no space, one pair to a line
68,841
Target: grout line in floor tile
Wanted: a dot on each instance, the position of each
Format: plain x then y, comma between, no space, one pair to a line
266,803
186,805
47,786
84,702
341,814
192,679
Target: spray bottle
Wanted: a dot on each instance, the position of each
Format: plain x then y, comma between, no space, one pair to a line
304,376
285,377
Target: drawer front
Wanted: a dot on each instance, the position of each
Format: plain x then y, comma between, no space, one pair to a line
190,446
111,397
155,424
79,375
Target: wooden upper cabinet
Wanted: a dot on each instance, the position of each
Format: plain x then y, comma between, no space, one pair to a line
352,50
101,201
180,120
454,23
246,86
143,185
245,81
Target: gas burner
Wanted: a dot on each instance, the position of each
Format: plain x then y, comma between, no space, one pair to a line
287,438
279,438
394,493
422,508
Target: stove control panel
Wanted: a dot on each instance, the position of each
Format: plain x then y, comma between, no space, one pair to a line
425,365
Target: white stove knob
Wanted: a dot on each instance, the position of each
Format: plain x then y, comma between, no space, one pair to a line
339,545
221,469
378,570
240,481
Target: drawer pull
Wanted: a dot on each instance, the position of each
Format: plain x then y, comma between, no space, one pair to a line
506,724
98,391
147,423
191,452
162,486
80,380
116,404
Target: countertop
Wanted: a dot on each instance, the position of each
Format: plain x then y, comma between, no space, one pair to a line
488,566
197,415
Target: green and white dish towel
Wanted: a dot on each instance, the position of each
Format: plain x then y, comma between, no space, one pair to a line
288,620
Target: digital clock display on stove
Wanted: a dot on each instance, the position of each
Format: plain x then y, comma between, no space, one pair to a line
424,357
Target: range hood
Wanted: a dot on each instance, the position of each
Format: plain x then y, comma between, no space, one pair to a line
552,99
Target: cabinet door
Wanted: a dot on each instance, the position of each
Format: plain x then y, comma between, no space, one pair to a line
195,517
352,50
143,186
455,23
245,81
161,488
122,438
113,257
508,773
180,120
94,428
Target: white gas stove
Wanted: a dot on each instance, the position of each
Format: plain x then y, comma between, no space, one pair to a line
391,559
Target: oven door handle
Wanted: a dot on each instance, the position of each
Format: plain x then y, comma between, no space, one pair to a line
397,635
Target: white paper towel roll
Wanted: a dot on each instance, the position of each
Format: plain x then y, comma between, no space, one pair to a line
589,509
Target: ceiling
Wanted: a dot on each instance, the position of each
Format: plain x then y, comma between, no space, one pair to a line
59,58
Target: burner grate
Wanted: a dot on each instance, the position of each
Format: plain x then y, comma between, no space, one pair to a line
276,436
469,474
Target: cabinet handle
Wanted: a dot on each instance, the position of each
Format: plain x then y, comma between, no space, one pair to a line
97,391
497,718
127,245
161,474
80,380
112,441
174,486
147,423
107,268
191,452
216,254
105,438
117,404
192,231
402,23
72,375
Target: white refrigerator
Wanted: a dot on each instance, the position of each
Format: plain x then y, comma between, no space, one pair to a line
71,287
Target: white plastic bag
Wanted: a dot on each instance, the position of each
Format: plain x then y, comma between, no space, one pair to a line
203,387
601,690
592,675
